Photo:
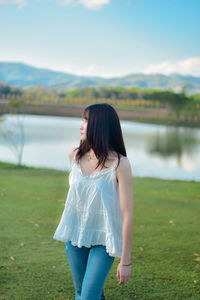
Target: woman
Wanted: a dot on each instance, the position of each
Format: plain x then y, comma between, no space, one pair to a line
97,222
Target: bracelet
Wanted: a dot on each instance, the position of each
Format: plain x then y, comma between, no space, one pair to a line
126,265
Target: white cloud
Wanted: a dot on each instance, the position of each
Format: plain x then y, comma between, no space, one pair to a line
89,4
93,4
190,66
19,3
65,2
90,70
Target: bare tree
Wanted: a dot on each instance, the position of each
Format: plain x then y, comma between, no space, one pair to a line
14,136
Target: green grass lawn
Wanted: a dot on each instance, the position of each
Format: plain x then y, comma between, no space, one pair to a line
166,244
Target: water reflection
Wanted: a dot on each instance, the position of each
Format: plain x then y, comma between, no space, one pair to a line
174,142
153,150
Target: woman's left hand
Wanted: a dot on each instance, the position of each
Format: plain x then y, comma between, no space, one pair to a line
123,273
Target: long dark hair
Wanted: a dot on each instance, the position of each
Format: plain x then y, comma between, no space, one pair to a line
104,133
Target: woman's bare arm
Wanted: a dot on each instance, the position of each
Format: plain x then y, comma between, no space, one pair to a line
124,176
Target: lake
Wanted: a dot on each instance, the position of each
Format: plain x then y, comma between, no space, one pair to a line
159,151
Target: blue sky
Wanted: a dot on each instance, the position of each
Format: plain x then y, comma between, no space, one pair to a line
102,37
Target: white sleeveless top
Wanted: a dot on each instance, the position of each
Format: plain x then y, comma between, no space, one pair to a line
92,213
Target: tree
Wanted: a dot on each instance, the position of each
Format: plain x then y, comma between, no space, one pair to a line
16,144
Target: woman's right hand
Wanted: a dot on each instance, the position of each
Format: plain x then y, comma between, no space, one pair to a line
123,273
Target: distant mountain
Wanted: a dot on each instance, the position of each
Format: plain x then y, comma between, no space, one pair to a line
25,76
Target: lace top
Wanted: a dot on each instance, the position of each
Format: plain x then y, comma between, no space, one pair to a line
92,213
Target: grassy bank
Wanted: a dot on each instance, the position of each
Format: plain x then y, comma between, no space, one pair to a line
160,116
165,254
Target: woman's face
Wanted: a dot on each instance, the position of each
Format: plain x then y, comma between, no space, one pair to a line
83,129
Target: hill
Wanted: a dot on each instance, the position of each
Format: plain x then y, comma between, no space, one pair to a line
25,75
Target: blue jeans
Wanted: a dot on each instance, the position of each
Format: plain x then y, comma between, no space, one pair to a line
89,268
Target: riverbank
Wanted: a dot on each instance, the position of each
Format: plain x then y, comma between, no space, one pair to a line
158,116
165,253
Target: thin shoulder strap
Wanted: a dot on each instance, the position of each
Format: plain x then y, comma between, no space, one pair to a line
122,157
75,152
73,158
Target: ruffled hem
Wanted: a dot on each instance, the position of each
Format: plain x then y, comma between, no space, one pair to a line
90,238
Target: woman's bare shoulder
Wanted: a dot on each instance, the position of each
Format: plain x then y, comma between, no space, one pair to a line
71,153
72,150
124,166
123,162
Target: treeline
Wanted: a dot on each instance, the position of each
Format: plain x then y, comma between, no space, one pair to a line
7,91
118,93
121,97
